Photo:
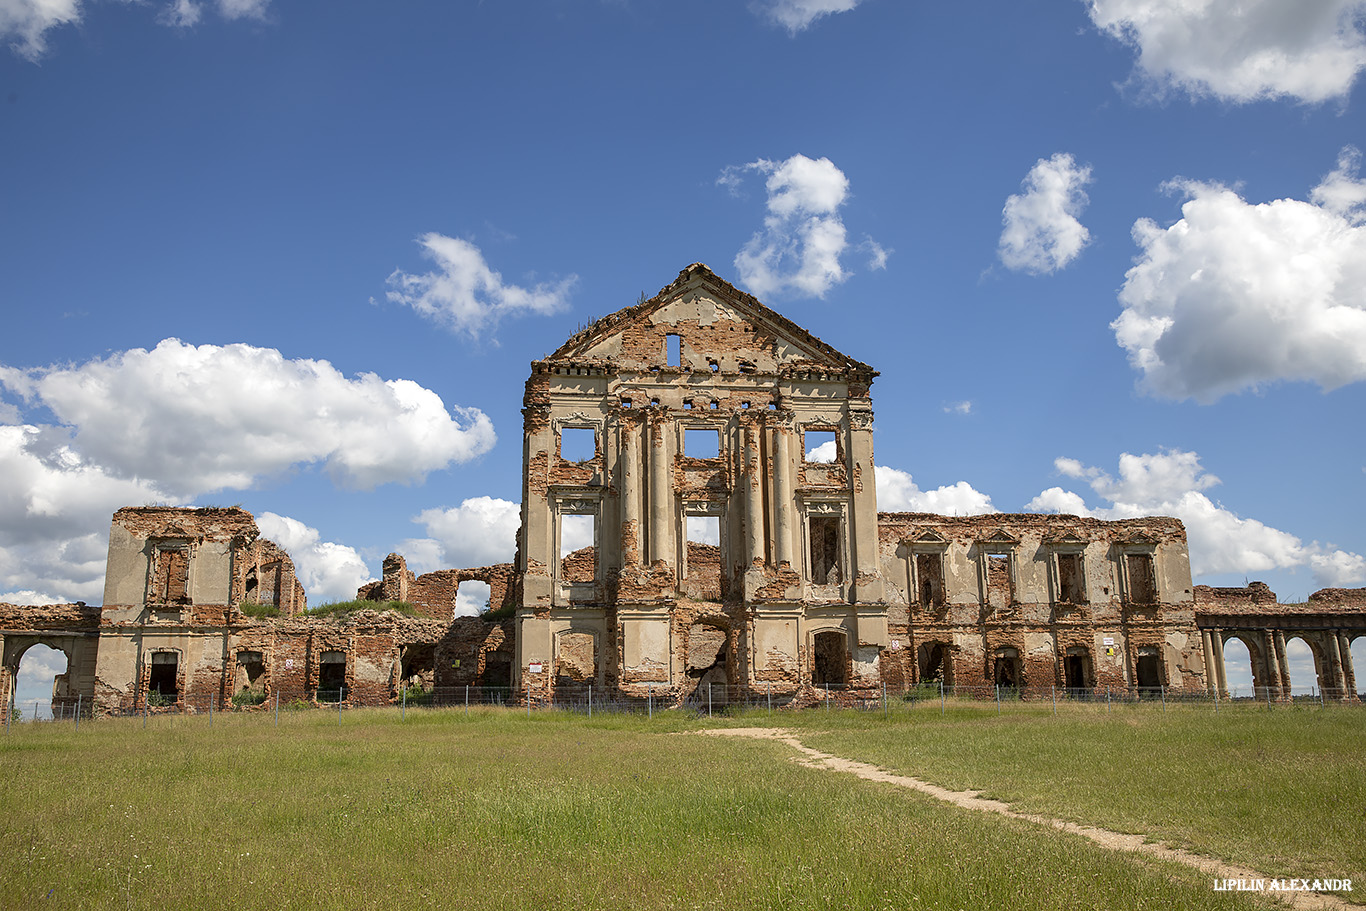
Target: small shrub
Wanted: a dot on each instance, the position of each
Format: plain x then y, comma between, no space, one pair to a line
248,697
155,699
259,611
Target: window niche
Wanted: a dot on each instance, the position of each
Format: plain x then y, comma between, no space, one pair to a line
163,681
996,562
824,551
170,571
926,556
820,447
577,534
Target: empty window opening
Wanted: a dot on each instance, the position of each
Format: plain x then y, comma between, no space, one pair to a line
1142,586
708,647
472,598
675,350
417,670
713,365
331,676
497,669
772,406
625,403
578,559
41,684
830,660
172,582
576,659
820,446
687,404
250,688
935,664
578,444
1000,591
715,405
1008,673
654,401
744,404
1076,669
929,576
825,549
746,367
703,581
1070,589
1303,666
1149,669
701,444
162,684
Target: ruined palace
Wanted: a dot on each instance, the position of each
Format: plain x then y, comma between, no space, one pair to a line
699,509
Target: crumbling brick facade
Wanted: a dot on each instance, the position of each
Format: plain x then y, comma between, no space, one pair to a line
698,511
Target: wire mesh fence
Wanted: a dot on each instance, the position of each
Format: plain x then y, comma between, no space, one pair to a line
701,698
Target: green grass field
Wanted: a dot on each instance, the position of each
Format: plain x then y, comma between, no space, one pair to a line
498,810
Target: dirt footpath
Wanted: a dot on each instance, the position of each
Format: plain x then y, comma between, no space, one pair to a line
969,800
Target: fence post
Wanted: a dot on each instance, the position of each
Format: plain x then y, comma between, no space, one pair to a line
211,710
1107,697
1268,699
78,698
709,685
467,700
341,694
998,699
79,695
590,700
884,699
1162,689
941,695
650,699
827,697
1054,688
769,688
528,698
277,708
1216,697
403,710
145,701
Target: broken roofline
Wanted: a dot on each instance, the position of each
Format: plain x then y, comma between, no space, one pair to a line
700,275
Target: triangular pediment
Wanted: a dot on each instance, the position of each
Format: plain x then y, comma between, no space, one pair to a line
999,538
1064,539
1138,539
928,537
721,328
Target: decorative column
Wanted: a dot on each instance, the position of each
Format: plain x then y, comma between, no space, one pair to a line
782,490
754,500
1273,667
1220,672
661,494
1283,664
1348,674
1211,674
1334,656
630,492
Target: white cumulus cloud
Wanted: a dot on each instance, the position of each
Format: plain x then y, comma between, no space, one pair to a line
1171,483
464,294
328,571
1308,50
1042,231
243,9
1235,295
897,492
797,15
195,419
25,23
799,248
479,532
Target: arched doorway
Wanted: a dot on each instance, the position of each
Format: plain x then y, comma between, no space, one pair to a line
1076,670
935,663
1239,664
1148,669
42,685
1302,662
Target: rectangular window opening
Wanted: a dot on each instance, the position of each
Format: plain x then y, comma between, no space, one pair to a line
1000,592
332,676
1070,589
163,682
472,598
929,573
701,443
578,557
578,444
825,549
704,558
1142,585
820,446
675,350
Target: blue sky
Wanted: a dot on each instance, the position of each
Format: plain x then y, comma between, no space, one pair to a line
1109,256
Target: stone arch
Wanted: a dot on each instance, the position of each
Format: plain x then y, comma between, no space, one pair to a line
1256,661
1301,682
934,661
60,699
